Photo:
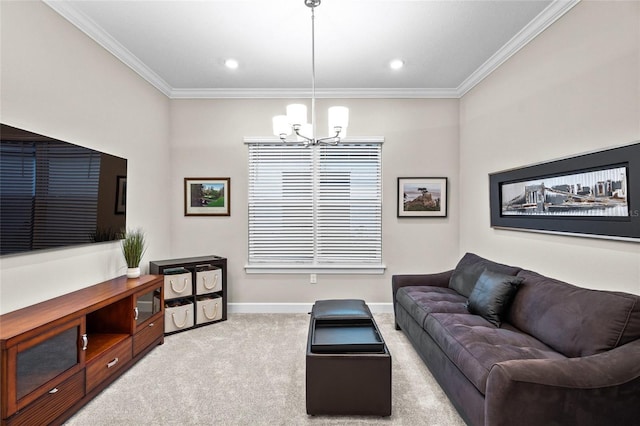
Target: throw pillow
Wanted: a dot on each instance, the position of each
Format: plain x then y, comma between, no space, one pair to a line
469,268
492,295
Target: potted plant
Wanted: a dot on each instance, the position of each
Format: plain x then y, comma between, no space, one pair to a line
133,248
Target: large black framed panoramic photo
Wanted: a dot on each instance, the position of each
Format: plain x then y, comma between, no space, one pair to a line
589,195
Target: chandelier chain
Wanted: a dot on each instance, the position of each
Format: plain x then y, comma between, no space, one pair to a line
313,66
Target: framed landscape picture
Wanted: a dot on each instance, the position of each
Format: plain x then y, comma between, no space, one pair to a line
422,197
590,195
207,196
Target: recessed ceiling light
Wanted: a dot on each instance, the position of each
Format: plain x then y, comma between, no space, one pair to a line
396,64
231,64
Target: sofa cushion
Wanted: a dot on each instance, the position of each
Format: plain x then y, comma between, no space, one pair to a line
474,345
492,295
573,320
420,301
470,268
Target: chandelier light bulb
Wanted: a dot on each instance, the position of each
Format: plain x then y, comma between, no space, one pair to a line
281,125
338,117
297,114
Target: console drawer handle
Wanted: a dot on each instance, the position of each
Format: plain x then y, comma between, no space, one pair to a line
54,390
136,313
85,342
112,363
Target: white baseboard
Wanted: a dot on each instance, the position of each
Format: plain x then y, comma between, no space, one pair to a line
292,308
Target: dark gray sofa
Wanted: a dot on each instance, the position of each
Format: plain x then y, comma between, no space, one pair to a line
561,354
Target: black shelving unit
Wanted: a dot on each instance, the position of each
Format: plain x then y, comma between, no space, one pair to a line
192,293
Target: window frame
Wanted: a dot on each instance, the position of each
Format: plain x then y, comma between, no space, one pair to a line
317,268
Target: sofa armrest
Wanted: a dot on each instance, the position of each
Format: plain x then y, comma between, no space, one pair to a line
593,390
440,279
436,280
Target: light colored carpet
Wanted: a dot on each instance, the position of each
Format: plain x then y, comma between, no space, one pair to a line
250,370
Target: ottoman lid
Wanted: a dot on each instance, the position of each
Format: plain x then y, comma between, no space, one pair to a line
336,309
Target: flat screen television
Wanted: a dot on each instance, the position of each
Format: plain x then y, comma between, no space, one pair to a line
56,194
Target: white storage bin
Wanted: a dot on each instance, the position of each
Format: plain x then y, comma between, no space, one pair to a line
208,281
177,285
208,309
178,317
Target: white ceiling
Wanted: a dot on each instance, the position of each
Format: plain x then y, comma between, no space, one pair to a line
180,46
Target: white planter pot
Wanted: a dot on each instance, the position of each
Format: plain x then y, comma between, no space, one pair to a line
133,272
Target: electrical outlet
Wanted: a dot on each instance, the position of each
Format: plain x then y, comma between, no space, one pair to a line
313,279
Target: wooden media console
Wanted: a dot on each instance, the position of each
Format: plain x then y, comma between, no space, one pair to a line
57,355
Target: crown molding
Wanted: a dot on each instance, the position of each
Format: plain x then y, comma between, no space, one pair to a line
547,17
306,93
239,93
540,23
95,32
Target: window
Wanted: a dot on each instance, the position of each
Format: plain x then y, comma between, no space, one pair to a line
317,208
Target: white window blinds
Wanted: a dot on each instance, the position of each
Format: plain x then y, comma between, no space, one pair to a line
316,206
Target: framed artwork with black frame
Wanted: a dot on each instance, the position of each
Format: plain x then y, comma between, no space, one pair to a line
210,196
422,197
590,195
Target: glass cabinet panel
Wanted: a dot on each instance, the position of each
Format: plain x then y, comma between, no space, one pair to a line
42,362
147,305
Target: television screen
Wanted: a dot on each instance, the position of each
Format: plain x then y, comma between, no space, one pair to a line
55,194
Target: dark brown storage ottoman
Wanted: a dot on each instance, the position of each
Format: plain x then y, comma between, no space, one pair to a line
348,363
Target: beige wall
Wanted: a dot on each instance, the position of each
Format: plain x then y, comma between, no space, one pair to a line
58,82
574,89
421,139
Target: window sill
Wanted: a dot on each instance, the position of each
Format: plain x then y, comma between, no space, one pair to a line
315,269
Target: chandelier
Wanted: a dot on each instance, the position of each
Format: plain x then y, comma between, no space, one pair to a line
296,119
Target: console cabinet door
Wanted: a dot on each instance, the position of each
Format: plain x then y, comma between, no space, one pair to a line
147,304
42,363
148,317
